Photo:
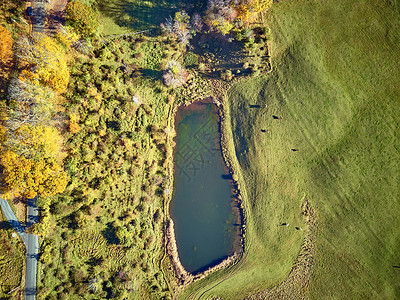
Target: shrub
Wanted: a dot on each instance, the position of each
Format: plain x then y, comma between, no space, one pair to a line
175,75
191,59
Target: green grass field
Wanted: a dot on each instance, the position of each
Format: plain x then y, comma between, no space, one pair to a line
336,84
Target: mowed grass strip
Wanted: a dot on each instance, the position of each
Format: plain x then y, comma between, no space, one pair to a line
336,86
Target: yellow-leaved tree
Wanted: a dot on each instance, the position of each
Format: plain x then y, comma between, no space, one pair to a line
82,17
31,159
43,56
248,10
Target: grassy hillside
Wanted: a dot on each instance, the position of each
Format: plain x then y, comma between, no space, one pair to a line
336,85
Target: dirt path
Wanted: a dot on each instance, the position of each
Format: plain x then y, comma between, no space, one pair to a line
47,16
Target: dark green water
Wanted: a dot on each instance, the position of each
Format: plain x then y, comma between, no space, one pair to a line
205,226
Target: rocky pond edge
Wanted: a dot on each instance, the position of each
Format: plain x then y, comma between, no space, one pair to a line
184,277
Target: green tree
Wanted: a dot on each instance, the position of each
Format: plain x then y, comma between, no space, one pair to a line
82,17
125,235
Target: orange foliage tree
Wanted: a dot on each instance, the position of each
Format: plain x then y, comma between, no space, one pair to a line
6,56
6,45
73,124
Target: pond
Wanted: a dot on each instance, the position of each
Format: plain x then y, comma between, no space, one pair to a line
202,207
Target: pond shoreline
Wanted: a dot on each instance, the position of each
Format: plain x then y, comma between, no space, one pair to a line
184,277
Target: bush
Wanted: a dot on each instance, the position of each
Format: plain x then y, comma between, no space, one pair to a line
175,75
247,32
191,59
226,75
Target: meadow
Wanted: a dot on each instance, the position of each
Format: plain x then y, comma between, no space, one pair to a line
336,86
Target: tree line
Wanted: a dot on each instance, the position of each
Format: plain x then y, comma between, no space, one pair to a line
31,143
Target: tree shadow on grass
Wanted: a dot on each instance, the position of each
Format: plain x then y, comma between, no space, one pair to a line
110,234
94,261
220,53
141,15
152,74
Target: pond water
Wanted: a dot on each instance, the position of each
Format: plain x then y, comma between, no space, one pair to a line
202,208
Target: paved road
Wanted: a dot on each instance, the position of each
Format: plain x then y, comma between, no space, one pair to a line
39,16
32,252
31,242
12,219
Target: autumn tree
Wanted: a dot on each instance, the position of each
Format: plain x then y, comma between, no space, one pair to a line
6,45
30,103
224,14
73,124
66,36
6,54
220,15
179,27
36,142
197,22
82,17
249,10
31,159
44,59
